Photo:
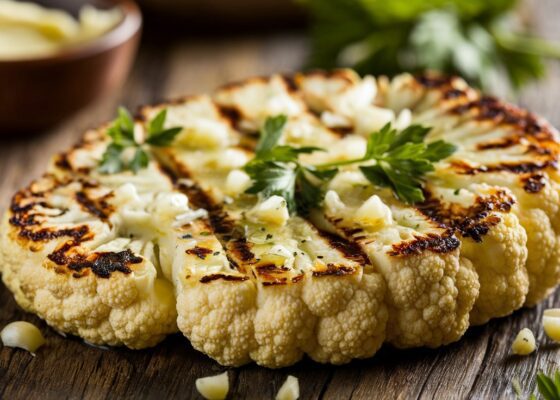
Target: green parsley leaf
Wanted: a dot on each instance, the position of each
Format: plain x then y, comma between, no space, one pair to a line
111,160
401,159
393,159
271,133
309,194
156,125
139,161
547,387
271,178
163,138
125,122
275,170
122,137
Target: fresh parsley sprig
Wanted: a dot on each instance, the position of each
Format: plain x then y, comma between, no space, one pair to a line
548,387
276,170
398,160
122,137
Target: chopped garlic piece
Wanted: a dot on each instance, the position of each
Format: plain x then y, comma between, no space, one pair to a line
524,343
189,216
273,210
213,387
374,213
551,323
237,182
333,202
23,335
289,390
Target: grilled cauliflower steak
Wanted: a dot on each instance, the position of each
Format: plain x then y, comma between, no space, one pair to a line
127,258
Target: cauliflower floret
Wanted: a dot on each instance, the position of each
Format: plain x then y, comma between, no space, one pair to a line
218,318
430,297
352,326
543,261
499,261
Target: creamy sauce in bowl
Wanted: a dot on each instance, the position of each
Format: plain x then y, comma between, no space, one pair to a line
28,30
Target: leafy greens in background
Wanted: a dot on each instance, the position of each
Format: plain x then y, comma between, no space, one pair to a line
476,39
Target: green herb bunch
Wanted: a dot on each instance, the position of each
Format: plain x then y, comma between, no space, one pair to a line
476,39
122,137
397,160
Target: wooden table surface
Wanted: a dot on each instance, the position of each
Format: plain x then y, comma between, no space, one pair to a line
479,366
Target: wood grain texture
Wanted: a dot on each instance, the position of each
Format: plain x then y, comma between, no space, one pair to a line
479,366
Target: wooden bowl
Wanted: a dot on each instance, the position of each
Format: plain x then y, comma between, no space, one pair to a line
36,94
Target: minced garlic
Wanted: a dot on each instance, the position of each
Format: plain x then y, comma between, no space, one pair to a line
23,335
524,343
213,387
289,389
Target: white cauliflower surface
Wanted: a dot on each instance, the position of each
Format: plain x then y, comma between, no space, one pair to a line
126,259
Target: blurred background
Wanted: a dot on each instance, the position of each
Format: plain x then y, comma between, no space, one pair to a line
191,46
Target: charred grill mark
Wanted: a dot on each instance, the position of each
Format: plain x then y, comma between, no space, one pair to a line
220,222
62,161
26,217
17,208
229,278
97,207
80,234
275,282
516,168
272,274
350,250
200,252
503,143
334,270
297,278
490,108
474,221
444,243
534,183
342,130
231,114
266,269
290,81
102,264
241,249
